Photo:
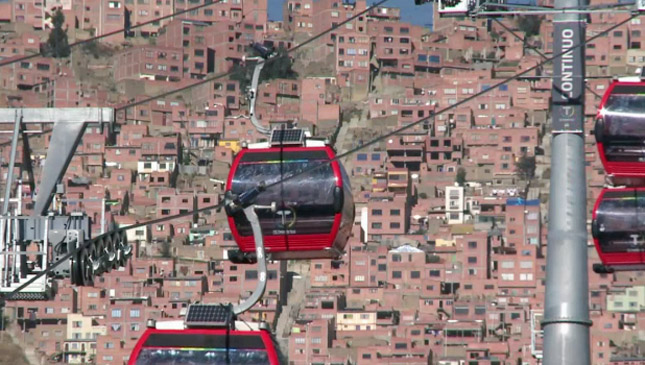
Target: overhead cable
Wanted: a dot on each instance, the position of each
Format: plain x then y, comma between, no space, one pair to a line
338,157
92,39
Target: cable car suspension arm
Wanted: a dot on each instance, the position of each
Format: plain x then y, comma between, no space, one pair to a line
257,294
253,92
244,202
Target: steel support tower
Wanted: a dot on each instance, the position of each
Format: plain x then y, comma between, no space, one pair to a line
54,235
566,310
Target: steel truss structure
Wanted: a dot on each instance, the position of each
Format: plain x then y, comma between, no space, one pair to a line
52,235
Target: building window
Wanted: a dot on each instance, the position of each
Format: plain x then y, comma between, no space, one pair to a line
116,313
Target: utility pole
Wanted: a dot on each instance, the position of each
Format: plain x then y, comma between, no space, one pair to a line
566,310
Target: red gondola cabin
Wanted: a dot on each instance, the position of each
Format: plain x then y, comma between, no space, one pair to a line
620,129
204,346
315,208
618,229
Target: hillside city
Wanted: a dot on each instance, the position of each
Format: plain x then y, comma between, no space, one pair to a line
446,261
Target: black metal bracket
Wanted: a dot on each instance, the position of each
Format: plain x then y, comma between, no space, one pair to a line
237,202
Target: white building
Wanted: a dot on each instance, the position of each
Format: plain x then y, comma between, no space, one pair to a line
455,204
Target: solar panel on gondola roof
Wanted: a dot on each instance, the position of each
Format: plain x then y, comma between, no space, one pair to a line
287,136
208,315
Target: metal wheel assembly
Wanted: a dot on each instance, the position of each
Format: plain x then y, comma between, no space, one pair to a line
111,252
86,268
95,258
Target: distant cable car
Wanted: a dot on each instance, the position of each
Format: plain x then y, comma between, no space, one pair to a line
618,229
315,209
620,129
205,341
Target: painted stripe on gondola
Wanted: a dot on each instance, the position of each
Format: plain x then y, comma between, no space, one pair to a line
215,349
628,88
278,161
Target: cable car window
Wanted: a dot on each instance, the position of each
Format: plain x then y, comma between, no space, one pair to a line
305,202
620,219
217,356
624,113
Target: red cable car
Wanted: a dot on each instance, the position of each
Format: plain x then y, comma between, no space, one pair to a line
620,129
618,229
204,346
315,209
208,336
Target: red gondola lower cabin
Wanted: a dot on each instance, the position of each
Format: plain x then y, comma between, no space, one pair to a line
618,229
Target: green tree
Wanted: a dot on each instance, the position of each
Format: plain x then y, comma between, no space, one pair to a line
461,176
525,167
278,67
242,75
529,24
57,44
97,49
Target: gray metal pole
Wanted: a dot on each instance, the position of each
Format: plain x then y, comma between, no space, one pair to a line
566,310
12,164
102,215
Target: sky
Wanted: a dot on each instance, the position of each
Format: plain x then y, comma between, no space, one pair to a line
419,15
